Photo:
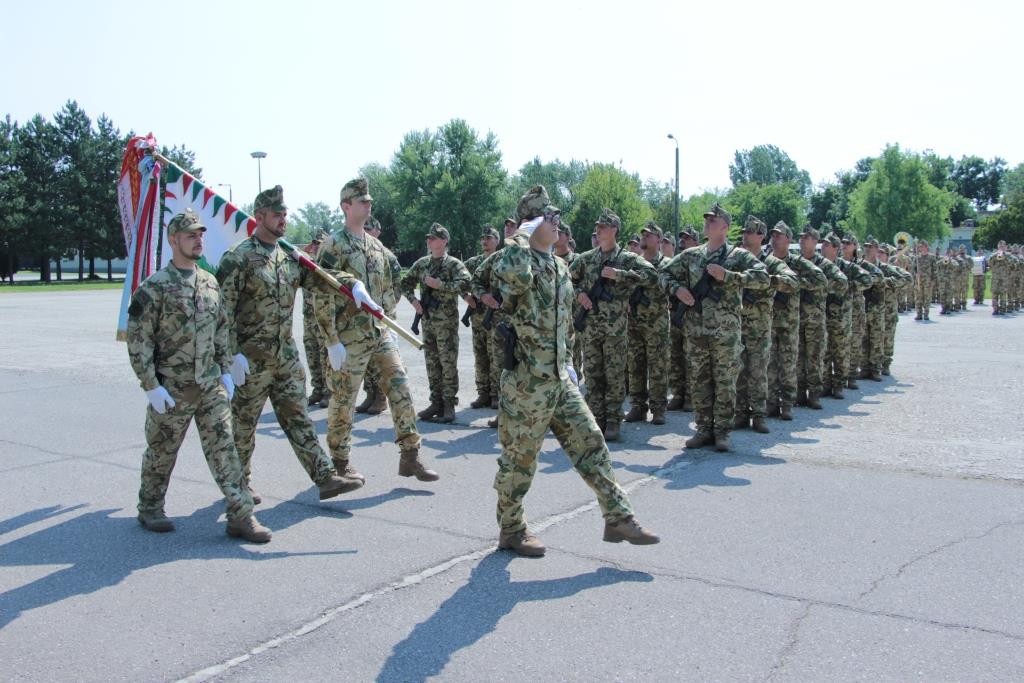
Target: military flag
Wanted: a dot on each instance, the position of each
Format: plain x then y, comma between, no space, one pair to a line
137,199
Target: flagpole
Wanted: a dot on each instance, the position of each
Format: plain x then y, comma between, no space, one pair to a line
160,188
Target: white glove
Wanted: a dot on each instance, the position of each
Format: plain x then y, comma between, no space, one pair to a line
239,369
361,297
336,354
529,226
160,400
229,385
394,337
572,375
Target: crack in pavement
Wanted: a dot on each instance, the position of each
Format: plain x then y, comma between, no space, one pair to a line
792,640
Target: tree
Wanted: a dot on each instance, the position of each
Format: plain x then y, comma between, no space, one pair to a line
561,180
767,165
108,236
659,197
1013,184
36,153
770,203
897,196
11,198
183,157
827,204
74,185
384,209
1007,224
978,180
607,186
313,216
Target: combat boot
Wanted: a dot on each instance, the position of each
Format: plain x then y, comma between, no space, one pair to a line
448,414
813,401
379,405
700,440
687,405
786,413
740,421
249,529
637,413
522,543
630,531
837,392
759,425
410,466
368,401
874,376
885,370
156,521
773,410
722,442
335,485
851,383
435,408
346,471
493,422
918,317
315,398
801,397
657,416
611,432
481,401
256,498
676,403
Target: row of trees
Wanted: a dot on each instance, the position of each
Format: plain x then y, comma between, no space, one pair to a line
57,192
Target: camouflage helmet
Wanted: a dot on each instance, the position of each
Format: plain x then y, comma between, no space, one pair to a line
187,221
783,229
439,231
534,203
755,225
609,217
357,189
272,199
717,211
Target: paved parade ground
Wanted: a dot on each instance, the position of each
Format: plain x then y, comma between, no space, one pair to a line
879,539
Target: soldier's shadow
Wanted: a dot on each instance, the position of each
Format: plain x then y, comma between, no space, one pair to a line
475,610
704,469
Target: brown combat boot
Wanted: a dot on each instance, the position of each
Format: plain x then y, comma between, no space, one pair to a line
410,466
874,376
522,543
851,383
481,401
722,442
837,392
371,393
700,440
740,421
813,400
676,403
657,416
335,485
379,405
611,432
759,425
346,471
630,531
434,409
250,529
637,413
155,520
786,413
447,415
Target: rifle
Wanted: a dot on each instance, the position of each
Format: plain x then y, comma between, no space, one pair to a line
509,337
807,297
678,311
427,303
705,288
488,322
750,297
638,298
470,312
599,292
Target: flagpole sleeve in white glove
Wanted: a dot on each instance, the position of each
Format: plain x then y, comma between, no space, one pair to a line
239,369
362,297
336,354
229,384
160,400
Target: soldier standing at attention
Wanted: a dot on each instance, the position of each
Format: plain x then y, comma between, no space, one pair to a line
680,359
709,280
376,400
258,281
839,317
446,279
648,338
897,280
540,393
752,384
618,273
874,314
311,340
851,252
178,347
925,273
486,394
813,329
999,264
355,338
978,273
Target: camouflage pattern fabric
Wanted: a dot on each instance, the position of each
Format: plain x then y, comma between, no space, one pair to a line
484,282
874,320
372,377
677,372
648,347
481,339
785,346
313,344
999,265
897,280
575,338
839,321
813,328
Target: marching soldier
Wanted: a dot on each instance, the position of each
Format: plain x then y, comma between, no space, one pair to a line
897,280
874,314
376,400
486,393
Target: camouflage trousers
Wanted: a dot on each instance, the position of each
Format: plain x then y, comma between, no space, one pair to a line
837,348
892,317
529,406
874,334
315,352
677,362
577,351
496,348
605,362
284,383
782,367
999,297
715,366
752,383
857,323
979,288
922,296
441,350
208,405
382,353
648,363
811,358
482,358
945,293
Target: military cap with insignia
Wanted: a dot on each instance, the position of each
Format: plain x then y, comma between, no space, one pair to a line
357,189
652,228
809,231
633,239
783,229
608,217
832,239
489,231
870,241
689,231
755,225
717,211
439,231
272,199
187,221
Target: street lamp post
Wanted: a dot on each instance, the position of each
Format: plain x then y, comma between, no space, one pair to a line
675,216
259,171
231,196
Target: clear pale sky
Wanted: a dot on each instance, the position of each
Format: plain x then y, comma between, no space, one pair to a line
324,88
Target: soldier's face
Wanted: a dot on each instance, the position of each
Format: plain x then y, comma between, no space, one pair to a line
273,222
606,235
689,242
780,243
807,245
752,240
357,212
188,244
650,240
488,244
563,241
510,228
667,248
715,227
436,245
829,251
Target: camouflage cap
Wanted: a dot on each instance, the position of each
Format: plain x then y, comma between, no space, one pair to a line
608,217
689,231
633,239
489,231
783,229
890,250
716,211
832,239
439,231
373,224
356,189
534,203
186,221
652,228
319,236
563,229
272,199
870,241
512,220
667,238
848,239
755,225
808,231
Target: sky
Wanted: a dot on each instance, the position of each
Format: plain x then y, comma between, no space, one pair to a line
324,88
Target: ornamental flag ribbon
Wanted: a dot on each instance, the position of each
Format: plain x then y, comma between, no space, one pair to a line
137,200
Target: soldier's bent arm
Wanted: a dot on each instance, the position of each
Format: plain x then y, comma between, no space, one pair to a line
480,281
784,279
459,283
674,275
752,275
143,314
638,271
411,279
837,283
514,269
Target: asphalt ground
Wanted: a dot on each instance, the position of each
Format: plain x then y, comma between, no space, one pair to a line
878,539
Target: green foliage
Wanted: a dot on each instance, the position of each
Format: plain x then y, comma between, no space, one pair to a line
1006,224
311,217
897,196
1013,184
978,180
608,186
560,179
384,208
770,203
183,157
767,165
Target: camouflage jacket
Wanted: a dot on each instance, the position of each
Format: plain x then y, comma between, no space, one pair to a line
449,270
258,284
657,310
364,259
835,288
178,329
472,263
895,280
857,280
924,268
632,271
743,271
781,278
538,296
786,312
875,294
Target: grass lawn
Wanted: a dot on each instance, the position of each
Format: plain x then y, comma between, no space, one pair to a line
65,286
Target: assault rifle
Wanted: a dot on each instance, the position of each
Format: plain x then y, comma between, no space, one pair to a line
428,303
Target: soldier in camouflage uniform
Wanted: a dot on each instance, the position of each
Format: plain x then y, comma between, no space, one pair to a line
259,281
978,267
925,272
752,384
311,340
679,369
813,328
648,339
874,314
1000,267
897,281
376,400
486,393
858,320
621,272
902,259
712,322
178,347
947,267
839,317
540,392
448,279
355,339
785,346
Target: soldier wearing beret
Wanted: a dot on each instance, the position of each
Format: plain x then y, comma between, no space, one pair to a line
311,340
178,347
486,392
259,281
648,348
